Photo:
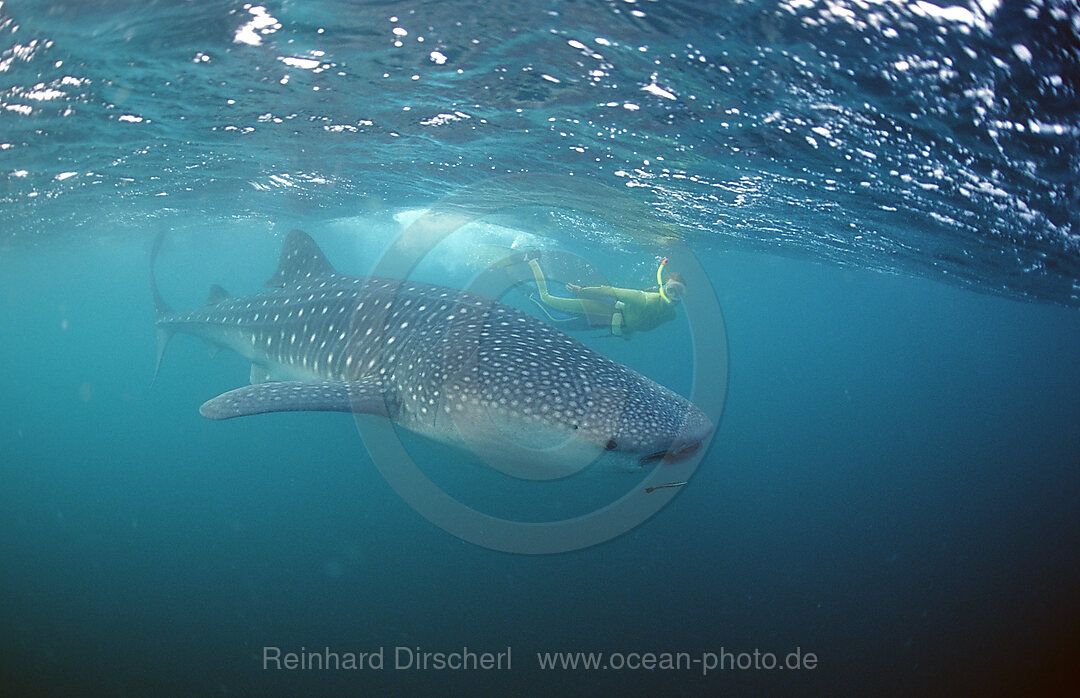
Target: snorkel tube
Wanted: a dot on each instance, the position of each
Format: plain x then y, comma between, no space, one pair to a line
660,280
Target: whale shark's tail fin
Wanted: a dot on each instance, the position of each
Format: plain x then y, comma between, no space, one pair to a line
161,308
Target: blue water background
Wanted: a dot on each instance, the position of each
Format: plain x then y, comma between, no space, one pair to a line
893,484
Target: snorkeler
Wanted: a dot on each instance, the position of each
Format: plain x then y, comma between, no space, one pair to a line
625,310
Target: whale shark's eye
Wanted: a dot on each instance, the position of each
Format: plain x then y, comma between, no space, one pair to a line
611,445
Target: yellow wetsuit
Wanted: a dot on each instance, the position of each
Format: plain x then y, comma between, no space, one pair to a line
627,309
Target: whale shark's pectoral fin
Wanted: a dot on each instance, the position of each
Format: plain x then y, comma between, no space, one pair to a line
363,397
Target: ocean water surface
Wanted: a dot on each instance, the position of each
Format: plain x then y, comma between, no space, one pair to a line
882,197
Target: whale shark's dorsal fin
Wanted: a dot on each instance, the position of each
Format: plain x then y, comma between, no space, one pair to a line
301,259
217,295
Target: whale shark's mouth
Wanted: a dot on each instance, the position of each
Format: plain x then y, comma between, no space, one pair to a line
672,455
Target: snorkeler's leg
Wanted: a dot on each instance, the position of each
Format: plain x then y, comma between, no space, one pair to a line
566,305
541,282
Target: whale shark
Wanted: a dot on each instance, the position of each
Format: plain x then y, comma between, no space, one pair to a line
450,365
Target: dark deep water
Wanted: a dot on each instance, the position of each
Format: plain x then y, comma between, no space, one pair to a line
883,196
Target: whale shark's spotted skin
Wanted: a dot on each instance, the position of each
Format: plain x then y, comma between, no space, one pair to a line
431,358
